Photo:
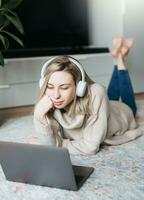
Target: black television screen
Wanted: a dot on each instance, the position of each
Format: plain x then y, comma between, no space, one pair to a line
50,25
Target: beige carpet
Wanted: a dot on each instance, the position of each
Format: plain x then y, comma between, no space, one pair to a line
118,174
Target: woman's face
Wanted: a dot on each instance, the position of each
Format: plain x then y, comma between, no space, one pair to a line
61,89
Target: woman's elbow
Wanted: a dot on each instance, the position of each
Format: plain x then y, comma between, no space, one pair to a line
90,149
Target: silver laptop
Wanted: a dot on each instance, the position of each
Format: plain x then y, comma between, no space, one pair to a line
41,165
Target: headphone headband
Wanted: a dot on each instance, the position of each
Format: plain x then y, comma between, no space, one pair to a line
45,65
80,68
71,59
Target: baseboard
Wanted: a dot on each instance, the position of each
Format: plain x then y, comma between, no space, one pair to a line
6,113
139,96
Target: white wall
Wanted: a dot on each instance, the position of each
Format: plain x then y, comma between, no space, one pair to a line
120,17
134,26
106,20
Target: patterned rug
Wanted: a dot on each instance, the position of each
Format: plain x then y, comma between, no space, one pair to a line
118,174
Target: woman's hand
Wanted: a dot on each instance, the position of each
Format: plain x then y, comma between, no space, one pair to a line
33,140
42,107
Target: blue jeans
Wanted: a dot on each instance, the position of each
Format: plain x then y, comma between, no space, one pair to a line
120,86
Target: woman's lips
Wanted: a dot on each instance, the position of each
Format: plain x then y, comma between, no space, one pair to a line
57,103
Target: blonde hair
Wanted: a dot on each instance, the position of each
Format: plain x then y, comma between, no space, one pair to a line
80,105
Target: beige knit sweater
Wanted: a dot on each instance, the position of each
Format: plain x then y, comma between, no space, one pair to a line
111,122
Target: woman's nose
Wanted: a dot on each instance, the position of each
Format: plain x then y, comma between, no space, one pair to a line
56,94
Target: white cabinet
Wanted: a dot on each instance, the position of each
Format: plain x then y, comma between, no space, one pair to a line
19,78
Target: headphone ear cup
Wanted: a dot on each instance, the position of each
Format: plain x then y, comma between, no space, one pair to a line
41,82
81,88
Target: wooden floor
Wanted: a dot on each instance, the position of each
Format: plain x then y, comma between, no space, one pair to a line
139,96
6,113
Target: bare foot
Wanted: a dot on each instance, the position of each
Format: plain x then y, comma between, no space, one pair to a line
33,140
127,43
117,43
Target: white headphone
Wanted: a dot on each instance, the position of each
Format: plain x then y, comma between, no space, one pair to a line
81,85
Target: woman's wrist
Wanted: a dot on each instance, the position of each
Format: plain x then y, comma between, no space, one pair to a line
43,120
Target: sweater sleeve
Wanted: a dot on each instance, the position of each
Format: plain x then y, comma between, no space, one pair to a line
44,133
95,129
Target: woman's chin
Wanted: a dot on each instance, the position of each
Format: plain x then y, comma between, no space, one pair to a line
59,106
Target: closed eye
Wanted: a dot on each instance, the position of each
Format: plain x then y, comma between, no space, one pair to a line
64,87
49,86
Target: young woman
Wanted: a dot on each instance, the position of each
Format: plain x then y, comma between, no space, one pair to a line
74,112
